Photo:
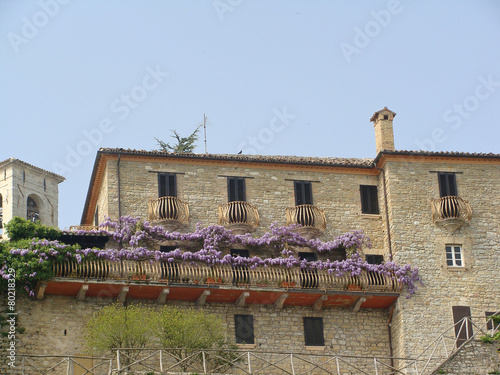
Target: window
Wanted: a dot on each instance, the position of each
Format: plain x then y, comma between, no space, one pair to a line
313,332
303,192
236,189
1,215
374,259
32,212
490,325
308,277
169,271
463,324
454,256
243,329
167,185
240,273
369,199
447,184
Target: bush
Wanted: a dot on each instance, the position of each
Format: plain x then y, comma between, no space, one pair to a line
19,228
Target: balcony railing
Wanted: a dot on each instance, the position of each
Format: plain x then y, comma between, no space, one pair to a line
200,274
75,228
168,209
238,213
451,211
307,215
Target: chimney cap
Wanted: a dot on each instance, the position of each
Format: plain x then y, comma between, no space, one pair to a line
383,110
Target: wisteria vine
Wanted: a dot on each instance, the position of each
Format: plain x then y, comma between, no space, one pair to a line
206,246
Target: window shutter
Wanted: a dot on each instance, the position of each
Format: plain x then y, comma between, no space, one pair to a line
313,332
463,328
447,184
172,186
243,328
236,189
303,193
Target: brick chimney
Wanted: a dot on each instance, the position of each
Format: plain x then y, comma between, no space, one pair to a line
384,135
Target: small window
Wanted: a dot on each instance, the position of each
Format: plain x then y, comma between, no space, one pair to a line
454,256
447,184
32,212
369,199
313,332
167,185
374,259
463,324
44,185
96,215
303,193
243,328
236,189
490,325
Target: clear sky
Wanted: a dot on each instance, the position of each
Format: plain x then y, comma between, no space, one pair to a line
273,77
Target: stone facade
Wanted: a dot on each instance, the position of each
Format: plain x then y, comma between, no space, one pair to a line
21,182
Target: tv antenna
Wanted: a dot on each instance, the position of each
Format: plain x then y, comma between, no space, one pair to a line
205,131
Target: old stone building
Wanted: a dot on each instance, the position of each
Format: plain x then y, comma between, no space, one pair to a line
438,211
28,192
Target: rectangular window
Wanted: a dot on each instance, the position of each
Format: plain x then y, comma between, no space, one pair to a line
374,259
303,192
369,199
454,256
240,273
236,189
491,324
243,328
167,185
447,184
463,324
313,332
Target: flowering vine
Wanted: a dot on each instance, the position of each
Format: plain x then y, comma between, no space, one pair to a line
205,245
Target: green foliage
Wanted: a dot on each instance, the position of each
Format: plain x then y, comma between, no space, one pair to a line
117,326
184,144
19,228
487,339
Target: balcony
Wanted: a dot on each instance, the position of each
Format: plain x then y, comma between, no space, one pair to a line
451,212
170,212
240,217
311,218
199,283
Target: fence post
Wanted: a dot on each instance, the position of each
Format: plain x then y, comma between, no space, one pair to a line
118,359
291,360
375,362
204,363
69,366
249,365
161,361
338,367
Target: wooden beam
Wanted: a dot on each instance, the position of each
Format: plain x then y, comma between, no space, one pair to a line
82,292
40,290
123,294
357,304
203,298
162,298
318,304
278,305
240,302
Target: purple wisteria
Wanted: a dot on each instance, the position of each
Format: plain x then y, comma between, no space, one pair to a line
209,245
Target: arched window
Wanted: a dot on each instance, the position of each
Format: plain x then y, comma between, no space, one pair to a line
33,212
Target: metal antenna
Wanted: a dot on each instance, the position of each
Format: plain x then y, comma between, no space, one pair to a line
205,131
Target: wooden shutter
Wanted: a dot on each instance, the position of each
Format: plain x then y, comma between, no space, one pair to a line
243,328
236,189
303,192
447,184
167,185
369,199
463,328
313,332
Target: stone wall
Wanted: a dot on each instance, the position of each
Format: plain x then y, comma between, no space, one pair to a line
54,326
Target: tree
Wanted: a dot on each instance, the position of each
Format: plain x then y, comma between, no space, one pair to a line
184,144
117,326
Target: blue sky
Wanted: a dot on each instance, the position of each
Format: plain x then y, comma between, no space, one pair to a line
273,77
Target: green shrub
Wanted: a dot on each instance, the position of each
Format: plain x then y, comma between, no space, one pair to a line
19,228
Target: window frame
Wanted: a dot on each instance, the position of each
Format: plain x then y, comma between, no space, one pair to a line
236,189
247,320
369,199
452,252
314,333
303,192
167,185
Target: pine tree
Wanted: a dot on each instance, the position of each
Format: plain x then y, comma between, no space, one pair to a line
184,144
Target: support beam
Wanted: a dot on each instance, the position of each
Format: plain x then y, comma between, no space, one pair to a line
278,305
123,294
162,297
40,290
82,292
357,304
203,298
318,304
240,302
